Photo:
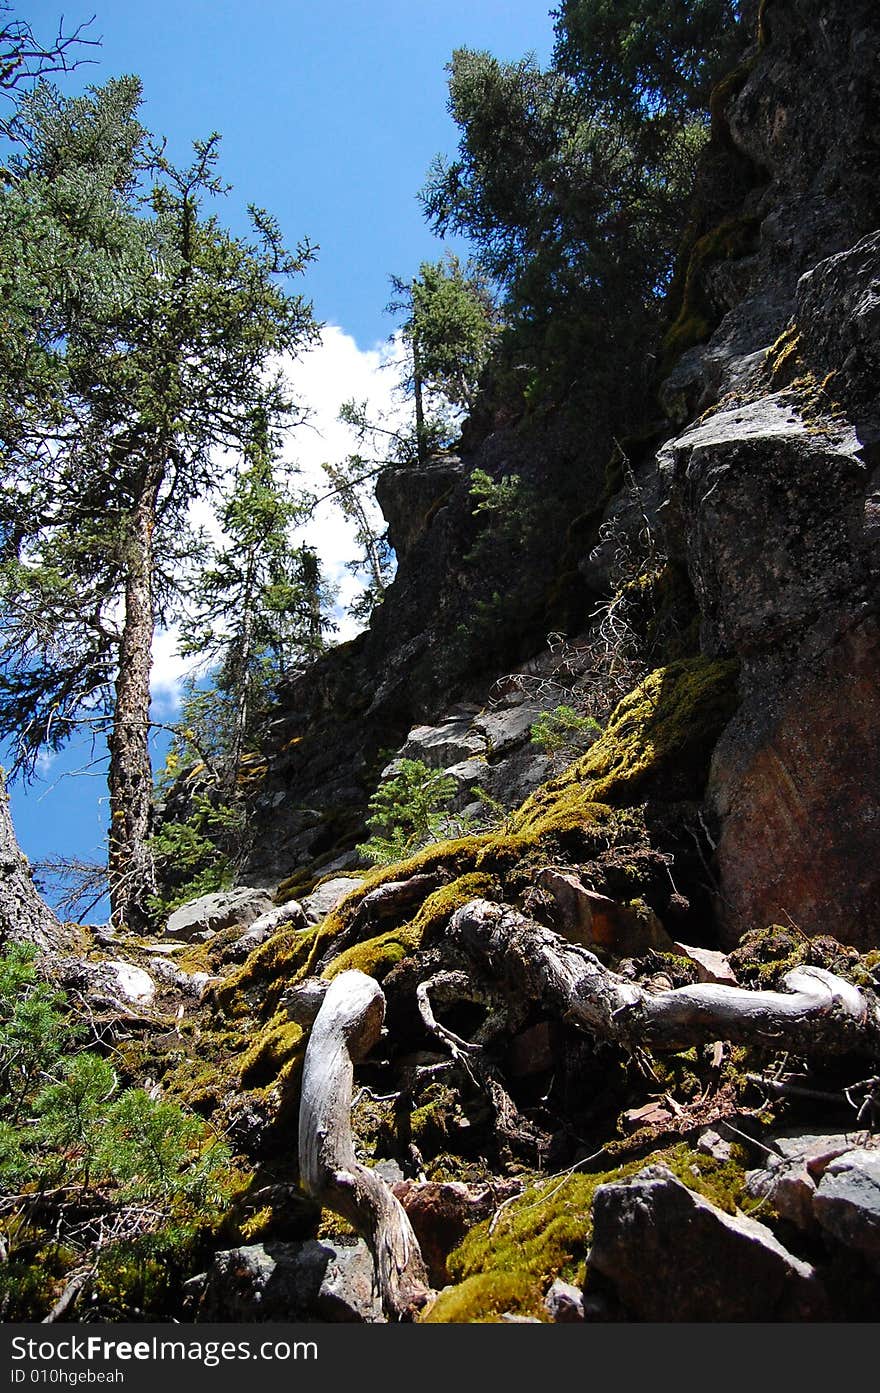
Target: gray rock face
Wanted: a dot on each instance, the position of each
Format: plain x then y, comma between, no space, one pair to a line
774,513
410,497
448,743
673,1256
291,1281
320,902
847,1202
838,318
208,915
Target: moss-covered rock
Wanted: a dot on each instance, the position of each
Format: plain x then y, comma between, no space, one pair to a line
546,1233
664,730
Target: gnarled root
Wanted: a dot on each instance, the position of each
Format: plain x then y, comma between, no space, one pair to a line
816,1012
346,1027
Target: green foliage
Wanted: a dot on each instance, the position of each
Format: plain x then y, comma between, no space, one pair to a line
194,858
146,1163
573,184
257,613
563,732
33,1031
648,60
450,328
154,335
408,811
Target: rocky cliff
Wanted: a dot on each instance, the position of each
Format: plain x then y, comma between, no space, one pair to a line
638,999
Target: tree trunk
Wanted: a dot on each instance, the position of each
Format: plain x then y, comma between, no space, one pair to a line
131,870
347,1025
816,1012
421,440
24,918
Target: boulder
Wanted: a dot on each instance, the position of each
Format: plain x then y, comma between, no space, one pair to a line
441,1212
847,1201
130,982
563,1303
322,901
206,916
673,1256
313,1280
600,923
441,746
289,915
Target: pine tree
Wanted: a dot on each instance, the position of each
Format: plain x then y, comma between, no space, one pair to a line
258,612
148,380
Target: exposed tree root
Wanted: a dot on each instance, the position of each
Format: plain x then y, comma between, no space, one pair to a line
817,1012
346,1027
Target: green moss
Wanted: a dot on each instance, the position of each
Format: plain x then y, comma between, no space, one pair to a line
376,956
763,956
783,357
257,984
731,239
666,729
546,1233
484,1298
276,1054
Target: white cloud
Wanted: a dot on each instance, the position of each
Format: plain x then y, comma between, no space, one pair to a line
337,370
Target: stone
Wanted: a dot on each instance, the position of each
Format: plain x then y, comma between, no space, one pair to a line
564,1303
847,1202
795,784
442,1212
598,922
313,1280
132,982
289,915
711,965
326,897
671,1255
446,744
712,1143
206,916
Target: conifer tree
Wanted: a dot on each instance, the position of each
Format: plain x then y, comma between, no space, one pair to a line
147,368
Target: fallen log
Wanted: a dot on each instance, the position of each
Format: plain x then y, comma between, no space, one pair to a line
346,1027
816,1011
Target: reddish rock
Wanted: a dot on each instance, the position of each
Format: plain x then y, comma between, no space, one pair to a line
530,1051
799,801
711,966
442,1212
597,922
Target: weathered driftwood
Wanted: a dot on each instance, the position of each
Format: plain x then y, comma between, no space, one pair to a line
346,1027
816,1011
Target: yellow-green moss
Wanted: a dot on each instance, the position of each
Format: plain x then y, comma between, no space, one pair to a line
667,727
546,1233
257,984
783,357
276,1053
376,956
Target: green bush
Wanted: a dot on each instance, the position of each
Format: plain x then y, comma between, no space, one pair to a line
67,1131
562,732
409,810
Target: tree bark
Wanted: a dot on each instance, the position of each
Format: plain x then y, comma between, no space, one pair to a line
131,870
24,917
347,1025
816,1012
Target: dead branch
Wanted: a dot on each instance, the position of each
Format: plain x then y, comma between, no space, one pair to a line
347,1025
815,1011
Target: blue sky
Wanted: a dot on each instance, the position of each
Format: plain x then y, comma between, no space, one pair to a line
330,115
